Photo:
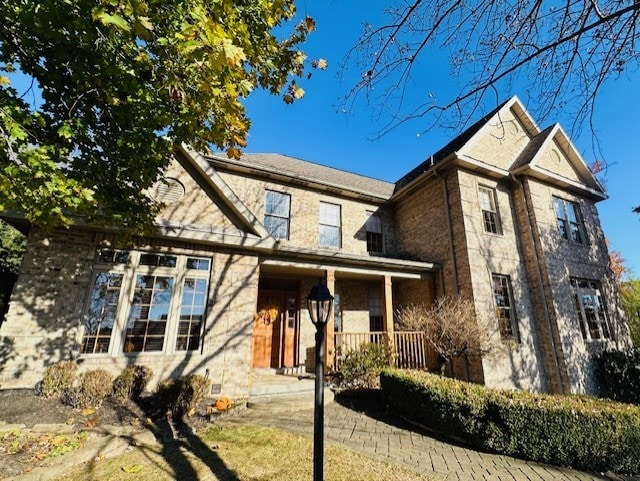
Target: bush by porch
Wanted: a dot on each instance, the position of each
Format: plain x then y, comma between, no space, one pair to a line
577,431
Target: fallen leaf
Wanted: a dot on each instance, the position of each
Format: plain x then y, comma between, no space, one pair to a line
132,469
88,411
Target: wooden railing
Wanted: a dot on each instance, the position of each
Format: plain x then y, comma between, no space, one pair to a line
410,350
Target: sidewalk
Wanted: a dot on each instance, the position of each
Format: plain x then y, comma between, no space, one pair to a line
365,428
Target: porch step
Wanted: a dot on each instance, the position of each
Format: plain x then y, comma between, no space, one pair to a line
271,391
287,402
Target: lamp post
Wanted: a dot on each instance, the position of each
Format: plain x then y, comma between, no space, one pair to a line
319,303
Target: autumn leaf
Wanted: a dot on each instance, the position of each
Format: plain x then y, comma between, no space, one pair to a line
288,99
132,468
319,63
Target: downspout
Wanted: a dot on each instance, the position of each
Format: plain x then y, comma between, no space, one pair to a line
536,260
445,195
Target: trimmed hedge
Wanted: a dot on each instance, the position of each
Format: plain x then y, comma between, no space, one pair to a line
618,375
577,431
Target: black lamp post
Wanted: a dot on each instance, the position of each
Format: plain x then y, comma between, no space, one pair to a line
319,303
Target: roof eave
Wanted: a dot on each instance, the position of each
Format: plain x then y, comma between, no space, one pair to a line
559,181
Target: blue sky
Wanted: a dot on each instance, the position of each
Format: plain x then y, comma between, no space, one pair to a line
316,129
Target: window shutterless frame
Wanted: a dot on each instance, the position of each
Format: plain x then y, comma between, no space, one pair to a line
161,304
489,210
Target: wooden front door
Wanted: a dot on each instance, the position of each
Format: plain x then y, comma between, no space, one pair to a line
276,329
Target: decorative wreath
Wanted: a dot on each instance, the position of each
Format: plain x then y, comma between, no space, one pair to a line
268,314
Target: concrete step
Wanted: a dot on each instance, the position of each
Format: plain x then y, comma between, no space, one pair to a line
287,402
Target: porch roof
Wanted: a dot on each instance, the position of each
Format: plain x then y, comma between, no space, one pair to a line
358,265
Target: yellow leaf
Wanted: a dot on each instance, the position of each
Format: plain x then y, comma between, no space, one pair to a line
298,93
233,153
320,63
88,411
4,80
132,469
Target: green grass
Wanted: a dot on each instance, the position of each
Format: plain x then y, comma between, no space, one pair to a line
239,453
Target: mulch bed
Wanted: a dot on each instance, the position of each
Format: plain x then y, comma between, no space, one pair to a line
22,453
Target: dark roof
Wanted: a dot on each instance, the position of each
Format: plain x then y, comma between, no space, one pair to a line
526,156
302,169
456,144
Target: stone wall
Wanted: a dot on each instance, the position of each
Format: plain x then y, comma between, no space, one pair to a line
513,364
561,260
304,216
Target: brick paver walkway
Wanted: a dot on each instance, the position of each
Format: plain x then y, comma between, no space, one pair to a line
368,430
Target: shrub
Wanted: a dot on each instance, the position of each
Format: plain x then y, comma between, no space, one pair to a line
577,431
57,379
131,382
182,396
194,390
93,388
618,375
360,368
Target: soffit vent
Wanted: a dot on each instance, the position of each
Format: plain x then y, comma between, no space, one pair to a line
168,191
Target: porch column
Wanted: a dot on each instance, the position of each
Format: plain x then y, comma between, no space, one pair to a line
388,308
329,330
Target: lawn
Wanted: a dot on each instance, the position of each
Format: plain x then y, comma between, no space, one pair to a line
238,453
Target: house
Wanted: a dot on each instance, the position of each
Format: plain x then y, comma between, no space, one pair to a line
505,214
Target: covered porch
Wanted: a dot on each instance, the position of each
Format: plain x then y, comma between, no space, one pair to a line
365,300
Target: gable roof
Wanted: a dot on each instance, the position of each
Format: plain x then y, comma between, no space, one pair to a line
532,148
302,172
529,164
454,145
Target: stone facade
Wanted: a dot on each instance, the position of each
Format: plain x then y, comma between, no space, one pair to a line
438,237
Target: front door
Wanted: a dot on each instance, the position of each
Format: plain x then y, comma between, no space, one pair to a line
276,327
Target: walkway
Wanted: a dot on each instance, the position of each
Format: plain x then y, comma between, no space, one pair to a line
365,428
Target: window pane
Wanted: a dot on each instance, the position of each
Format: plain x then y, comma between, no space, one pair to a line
329,236
192,308
158,260
276,214
277,204
558,205
488,208
101,314
146,323
198,264
373,223
486,199
507,322
590,309
329,214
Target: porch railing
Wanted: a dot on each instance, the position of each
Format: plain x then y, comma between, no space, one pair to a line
409,347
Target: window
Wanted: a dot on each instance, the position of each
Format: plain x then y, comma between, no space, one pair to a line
376,319
590,309
101,313
373,226
164,293
329,225
505,312
276,214
569,220
490,218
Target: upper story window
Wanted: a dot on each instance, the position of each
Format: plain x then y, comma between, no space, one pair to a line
154,303
569,220
276,214
490,217
505,312
373,227
330,225
590,309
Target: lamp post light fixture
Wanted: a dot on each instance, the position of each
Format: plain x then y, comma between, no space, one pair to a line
319,303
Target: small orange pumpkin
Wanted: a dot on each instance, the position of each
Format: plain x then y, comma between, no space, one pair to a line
223,403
